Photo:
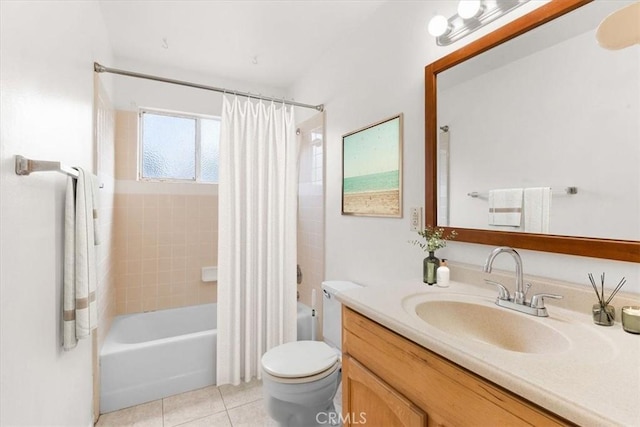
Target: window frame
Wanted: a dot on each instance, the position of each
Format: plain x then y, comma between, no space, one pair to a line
198,144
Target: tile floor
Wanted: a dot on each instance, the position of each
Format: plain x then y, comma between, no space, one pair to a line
224,406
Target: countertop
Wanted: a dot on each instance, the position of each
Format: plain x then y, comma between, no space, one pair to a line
596,382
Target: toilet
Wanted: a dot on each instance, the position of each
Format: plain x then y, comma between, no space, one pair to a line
300,379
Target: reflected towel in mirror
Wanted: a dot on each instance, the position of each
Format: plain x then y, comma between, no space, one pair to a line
537,207
505,207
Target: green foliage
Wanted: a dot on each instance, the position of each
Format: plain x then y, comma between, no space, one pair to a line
434,239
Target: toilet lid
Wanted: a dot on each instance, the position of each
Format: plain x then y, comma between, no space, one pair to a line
299,359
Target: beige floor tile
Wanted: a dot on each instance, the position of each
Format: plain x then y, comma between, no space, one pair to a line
251,415
191,406
221,419
237,395
145,415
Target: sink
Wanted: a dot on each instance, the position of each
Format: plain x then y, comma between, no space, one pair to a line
481,320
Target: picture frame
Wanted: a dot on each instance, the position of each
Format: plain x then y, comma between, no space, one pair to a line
372,169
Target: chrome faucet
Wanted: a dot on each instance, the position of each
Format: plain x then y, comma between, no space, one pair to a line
519,300
519,294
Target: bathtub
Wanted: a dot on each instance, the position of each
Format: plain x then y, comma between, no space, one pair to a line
148,356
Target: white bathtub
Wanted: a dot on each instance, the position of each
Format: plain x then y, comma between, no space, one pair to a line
148,356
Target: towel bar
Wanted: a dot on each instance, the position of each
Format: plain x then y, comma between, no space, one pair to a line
26,166
566,191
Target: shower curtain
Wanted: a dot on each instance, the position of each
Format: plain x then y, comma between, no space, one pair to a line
257,235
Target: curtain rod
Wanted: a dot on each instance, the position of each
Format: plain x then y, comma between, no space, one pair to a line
102,69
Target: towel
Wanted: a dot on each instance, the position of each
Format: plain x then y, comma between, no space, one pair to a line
505,207
69,296
80,315
537,207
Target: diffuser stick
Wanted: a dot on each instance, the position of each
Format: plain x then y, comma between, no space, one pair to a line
615,291
595,288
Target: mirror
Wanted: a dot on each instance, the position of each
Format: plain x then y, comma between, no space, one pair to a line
597,151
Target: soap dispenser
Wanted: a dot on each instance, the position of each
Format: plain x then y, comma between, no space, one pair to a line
442,275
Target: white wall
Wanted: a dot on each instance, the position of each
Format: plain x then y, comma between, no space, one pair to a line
47,53
378,71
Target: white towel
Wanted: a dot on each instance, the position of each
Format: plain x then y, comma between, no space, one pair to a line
80,276
537,207
505,207
69,291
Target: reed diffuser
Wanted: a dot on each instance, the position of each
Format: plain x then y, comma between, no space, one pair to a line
603,313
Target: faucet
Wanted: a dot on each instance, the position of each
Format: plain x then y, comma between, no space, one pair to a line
519,301
519,294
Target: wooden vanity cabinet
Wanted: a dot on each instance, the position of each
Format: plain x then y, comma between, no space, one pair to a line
388,380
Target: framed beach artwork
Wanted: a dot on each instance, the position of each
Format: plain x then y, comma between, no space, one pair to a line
372,170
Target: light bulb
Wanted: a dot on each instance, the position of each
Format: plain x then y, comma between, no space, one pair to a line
468,8
438,25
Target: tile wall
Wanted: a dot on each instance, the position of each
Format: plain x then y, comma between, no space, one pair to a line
164,234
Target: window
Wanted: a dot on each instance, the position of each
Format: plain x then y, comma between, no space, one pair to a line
177,146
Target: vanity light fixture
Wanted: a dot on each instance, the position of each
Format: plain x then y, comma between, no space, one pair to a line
438,26
472,14
468,9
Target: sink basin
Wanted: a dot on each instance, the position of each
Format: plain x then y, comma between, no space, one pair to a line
481,320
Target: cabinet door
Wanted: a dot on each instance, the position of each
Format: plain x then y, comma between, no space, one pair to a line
367,400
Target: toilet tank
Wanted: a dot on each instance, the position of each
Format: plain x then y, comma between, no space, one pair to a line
332,310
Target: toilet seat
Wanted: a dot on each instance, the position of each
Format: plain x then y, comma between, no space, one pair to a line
300,361
301,380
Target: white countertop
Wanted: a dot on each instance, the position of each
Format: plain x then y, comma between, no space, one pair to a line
595,382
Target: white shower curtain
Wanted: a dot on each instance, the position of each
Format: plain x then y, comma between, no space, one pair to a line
257,235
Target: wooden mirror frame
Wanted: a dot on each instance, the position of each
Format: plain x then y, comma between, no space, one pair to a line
623,250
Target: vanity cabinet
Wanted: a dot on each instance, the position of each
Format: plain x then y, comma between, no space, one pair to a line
373,402
391,381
